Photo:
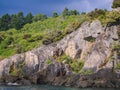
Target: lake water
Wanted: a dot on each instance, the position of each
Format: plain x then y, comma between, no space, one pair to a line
46,87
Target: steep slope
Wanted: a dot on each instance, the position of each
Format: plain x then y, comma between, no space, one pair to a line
36,34
95,45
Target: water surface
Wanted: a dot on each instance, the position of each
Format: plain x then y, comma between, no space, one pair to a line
46,87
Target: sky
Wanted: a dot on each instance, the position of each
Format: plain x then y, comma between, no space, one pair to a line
49,6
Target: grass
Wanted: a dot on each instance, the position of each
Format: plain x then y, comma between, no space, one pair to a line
32,35
47,31
49,61
75,64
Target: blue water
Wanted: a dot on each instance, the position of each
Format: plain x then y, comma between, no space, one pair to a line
46,87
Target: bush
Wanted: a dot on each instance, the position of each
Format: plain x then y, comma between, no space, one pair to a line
77,66
8,40
116,3
26,36
96,13
1,39
112,17
87,72
90,39
65,58
37,33
49,61
118,66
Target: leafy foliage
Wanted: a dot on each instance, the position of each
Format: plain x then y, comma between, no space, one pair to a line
35,34
49,61
96,13
44,30
55,14
116,3
28,18
76,65
39,17
5,22
118,66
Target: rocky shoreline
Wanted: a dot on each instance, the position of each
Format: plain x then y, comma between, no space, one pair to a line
93,44
103,79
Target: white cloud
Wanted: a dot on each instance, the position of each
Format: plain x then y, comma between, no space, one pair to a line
88,5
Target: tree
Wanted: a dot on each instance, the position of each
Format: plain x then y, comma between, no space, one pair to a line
116,3
28,18
65,12
39,17
13,20
5,22
73,12
55,14
21,20
17,21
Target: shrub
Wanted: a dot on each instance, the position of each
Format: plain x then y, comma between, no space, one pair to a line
8,40
118,66
72,27
37,33
96,13
26,36
90,39
49,61
1,39
116,3
77,66
65,58
112,17
87,72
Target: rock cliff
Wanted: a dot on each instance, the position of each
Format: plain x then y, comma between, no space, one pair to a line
91,43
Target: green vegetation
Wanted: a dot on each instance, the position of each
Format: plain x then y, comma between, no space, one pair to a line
35,34
76,65
55,14
64,58
88,72
116,3
49,61
116,48
19,33
90,39
118,66
106,17
17,21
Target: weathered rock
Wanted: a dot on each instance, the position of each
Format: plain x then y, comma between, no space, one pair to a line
91,43
101,50
24,82
6,63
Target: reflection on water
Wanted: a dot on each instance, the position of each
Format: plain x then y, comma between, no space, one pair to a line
46,87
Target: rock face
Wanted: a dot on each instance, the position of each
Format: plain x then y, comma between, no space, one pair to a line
91,43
